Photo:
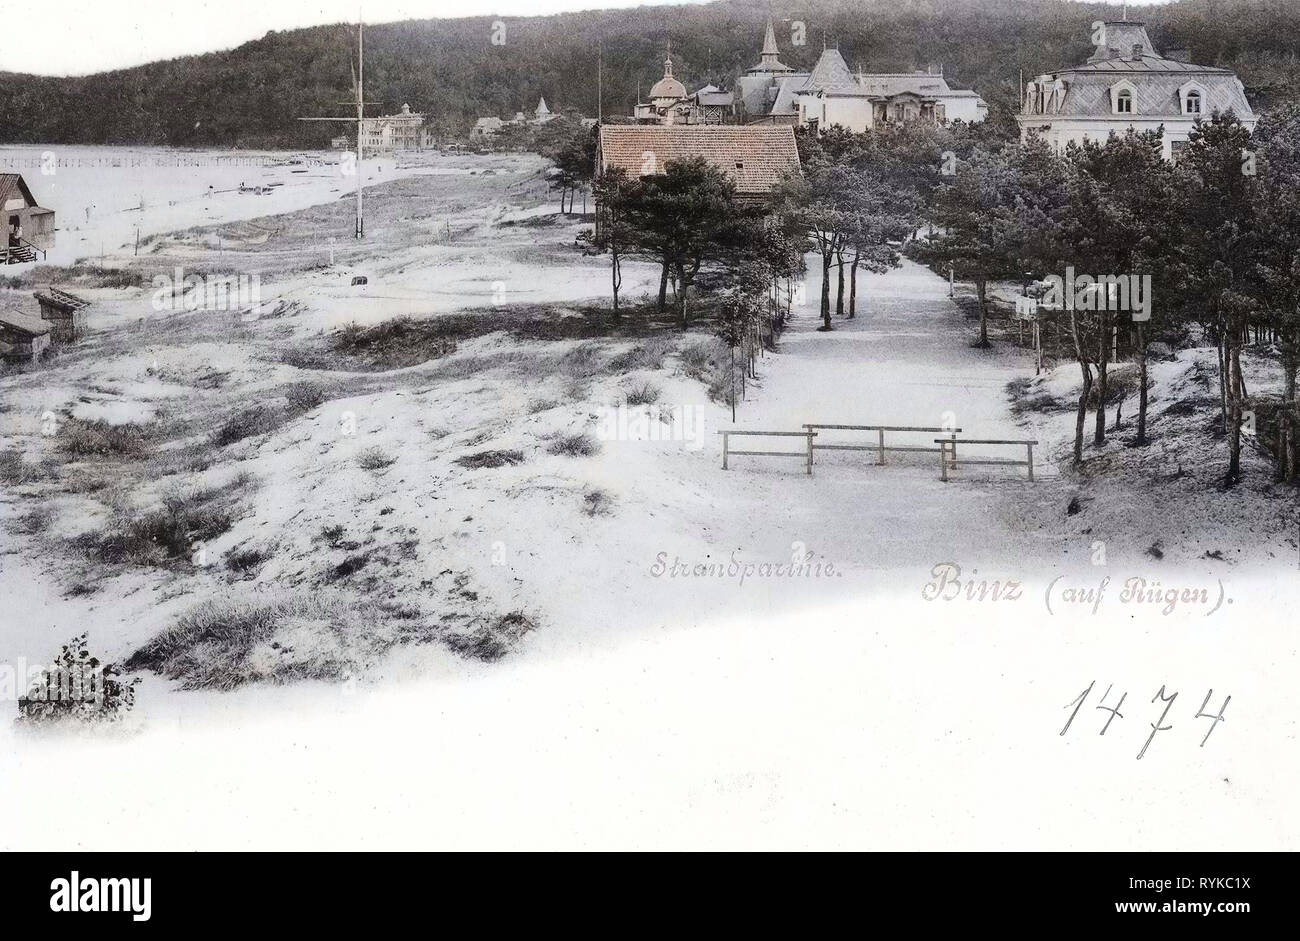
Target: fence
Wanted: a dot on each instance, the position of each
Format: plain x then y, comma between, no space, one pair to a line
947,463
806,454
879,447
945,447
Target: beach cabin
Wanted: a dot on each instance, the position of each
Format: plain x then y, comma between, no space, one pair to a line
23,338
28,228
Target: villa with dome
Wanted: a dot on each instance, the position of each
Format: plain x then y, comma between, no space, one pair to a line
669,102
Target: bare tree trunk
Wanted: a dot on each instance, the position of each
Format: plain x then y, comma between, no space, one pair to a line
1234,411
839,293
1142,386
1223,380
826,291
1082,415
663,287
853,286
682,289
616,277
980,286
1103,361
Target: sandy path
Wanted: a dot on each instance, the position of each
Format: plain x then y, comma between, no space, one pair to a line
904,360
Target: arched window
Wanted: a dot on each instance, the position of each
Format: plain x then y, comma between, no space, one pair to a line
1193,102
1124,102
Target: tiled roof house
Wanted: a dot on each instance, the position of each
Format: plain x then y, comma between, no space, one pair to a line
755,158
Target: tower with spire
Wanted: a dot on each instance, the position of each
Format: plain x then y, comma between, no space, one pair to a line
769,60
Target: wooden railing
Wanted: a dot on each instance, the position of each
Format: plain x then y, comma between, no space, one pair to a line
10,255
948,458
806,454
879,447
945,447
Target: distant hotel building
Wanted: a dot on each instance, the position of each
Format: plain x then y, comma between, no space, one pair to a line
404,131
1127,84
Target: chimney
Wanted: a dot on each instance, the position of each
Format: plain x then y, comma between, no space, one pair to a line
1137,51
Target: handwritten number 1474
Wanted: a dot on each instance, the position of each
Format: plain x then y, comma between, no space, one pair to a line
1159,725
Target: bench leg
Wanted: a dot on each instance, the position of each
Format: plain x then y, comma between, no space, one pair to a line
1030,449
810,453
943,461
724,452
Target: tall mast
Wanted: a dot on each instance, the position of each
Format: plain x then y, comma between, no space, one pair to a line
361,124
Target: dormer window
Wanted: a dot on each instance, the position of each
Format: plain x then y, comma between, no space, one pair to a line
1192,96
1124,102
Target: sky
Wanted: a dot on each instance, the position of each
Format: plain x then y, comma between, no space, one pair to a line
77,37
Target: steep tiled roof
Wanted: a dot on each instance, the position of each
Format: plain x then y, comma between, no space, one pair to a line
754,157
831,71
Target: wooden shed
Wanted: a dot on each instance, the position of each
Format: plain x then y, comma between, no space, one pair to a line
28,227
62,310
23,338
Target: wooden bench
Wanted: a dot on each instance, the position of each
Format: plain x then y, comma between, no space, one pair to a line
946,462
806,454
879,447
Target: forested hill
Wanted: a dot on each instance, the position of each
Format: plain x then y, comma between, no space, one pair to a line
251,96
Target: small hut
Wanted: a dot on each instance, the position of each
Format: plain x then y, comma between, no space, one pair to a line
62,310
23,338
29,228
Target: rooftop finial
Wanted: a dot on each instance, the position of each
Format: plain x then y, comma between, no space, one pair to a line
770,52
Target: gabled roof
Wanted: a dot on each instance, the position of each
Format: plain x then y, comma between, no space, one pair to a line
764,154
784,103
23,323
11,183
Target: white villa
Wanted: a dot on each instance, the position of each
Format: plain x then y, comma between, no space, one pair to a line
403,131
1127,84
773,93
